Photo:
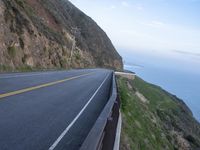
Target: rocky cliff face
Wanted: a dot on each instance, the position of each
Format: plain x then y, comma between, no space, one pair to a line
51,34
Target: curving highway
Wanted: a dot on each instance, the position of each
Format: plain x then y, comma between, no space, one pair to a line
52,110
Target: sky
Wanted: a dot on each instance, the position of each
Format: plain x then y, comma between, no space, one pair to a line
170,28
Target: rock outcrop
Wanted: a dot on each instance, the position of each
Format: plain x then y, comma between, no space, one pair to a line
45,34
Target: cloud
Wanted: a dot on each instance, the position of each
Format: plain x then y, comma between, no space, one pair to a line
155,24
187,53
125,4
132,65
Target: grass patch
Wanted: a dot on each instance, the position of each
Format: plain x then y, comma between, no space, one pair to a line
25,68
12,51
5,68
141,126
158,98
123,95
77,55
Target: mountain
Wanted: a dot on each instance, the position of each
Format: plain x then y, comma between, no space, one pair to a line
154,119
41,34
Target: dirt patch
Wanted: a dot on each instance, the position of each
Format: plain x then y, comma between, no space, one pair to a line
45,15
141,97
182,143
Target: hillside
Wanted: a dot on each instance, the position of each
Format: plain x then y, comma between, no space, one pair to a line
40,34
154,119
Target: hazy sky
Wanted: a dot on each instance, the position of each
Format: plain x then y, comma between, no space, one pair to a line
164,26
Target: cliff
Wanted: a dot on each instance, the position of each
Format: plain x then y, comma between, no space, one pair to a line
154,119
45,34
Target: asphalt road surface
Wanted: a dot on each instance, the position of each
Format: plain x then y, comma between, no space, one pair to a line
51,110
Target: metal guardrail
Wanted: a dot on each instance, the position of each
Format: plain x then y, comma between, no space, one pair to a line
102,135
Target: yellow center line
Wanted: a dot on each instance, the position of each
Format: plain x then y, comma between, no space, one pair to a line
40,86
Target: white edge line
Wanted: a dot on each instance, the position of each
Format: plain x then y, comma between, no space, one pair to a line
76,118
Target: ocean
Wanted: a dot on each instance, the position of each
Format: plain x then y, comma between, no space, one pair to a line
180,77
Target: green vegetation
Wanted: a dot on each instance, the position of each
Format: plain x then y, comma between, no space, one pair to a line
77,55
123,95
139,125
158,98
20,3
161,122
5,68
25,68
63,62
12,51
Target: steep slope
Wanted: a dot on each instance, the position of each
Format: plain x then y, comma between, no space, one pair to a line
51,34
154,119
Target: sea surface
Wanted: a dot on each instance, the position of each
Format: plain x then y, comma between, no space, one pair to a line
180,77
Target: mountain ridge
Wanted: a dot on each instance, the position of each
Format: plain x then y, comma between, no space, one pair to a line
52,34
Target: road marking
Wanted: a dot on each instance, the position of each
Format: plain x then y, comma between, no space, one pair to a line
26,75
76,118
40,86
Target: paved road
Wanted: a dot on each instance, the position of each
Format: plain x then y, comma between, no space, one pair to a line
50,110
